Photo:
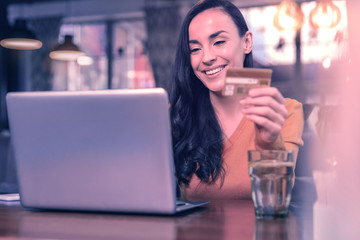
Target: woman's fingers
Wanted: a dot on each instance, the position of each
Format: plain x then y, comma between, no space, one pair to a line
266,112
263,105
266,108
269,130
267,91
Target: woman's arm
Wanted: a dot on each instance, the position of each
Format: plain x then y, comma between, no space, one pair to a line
279,122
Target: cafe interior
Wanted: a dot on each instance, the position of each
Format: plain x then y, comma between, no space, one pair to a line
310,45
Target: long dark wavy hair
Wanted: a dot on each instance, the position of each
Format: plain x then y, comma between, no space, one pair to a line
197,136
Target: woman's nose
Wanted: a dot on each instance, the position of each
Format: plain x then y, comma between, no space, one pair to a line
208,56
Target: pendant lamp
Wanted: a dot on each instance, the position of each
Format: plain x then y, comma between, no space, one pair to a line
325,15
20,38
66,51
289,16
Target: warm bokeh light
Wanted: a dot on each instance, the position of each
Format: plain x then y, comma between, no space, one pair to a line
21,43
85,60
326,63
289,16
325,15
66,55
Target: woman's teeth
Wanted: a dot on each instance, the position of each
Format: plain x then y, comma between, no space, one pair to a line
213,71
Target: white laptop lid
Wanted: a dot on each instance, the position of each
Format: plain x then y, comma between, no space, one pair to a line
107,150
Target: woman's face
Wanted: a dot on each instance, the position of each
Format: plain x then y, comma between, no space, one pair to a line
215,45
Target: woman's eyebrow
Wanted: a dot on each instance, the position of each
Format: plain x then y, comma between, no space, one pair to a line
212,36
194,41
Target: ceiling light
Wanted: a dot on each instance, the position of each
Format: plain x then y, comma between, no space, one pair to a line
289,16
66,51
85,60
20,38
325,15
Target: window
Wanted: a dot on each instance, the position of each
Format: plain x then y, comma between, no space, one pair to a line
272,47
130,65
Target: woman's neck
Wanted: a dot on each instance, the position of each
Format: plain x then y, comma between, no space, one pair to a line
228,112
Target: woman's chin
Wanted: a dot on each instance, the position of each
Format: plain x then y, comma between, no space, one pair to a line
216,86
216,90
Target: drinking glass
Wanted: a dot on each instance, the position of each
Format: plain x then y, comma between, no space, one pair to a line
271,173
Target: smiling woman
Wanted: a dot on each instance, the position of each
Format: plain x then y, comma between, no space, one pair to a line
212,133
213,36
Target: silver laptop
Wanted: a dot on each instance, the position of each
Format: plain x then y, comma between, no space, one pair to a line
106,150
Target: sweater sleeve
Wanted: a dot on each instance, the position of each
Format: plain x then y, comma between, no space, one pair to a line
293,126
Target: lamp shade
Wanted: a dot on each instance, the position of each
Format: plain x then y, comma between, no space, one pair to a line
325,15
289,16
66,51
20,38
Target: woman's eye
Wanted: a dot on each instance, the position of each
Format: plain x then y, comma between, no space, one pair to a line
219,42
194,50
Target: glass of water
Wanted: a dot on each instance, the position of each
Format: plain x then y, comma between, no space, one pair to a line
271,173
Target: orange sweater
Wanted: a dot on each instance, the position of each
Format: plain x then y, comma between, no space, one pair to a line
236,183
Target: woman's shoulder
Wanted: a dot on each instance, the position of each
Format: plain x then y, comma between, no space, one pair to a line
292,102
293,105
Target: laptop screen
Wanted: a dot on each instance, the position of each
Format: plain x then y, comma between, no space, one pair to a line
107,150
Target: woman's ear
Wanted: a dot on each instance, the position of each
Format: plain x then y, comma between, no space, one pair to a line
248,42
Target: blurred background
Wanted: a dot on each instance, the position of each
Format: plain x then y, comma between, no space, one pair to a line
130,44
113,44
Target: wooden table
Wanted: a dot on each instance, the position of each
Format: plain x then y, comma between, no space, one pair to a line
233,219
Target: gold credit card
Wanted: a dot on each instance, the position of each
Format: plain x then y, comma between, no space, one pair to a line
240,80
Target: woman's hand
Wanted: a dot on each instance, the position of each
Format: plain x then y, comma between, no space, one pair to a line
266,108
